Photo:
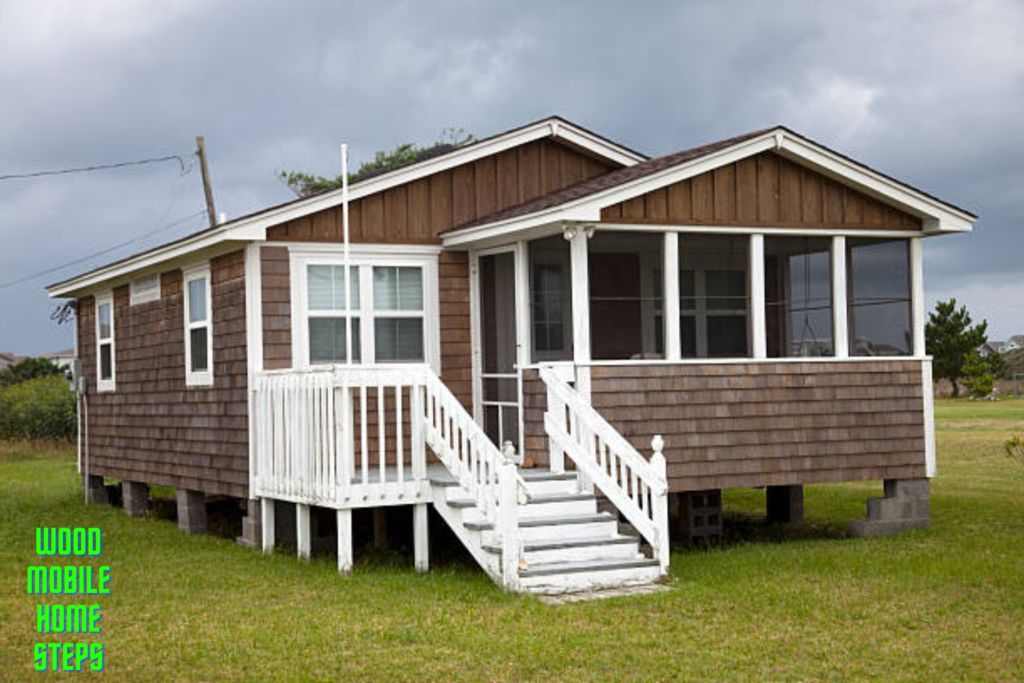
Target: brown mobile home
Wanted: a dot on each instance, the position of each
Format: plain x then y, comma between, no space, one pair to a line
748,313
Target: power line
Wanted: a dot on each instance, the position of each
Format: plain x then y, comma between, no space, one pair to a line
100,167
115,247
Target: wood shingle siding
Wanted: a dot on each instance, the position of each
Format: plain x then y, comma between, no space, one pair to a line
153,428
417,212
456,345
765,190
277,311
735,425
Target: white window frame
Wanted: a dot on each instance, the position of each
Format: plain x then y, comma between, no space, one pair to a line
104,385
200,378
142,296
365,258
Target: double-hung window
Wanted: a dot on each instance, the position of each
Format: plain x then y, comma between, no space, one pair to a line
198,327
389,310
105,369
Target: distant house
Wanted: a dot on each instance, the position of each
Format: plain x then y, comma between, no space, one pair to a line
62,359
748,313
988,348
8,359
1013,343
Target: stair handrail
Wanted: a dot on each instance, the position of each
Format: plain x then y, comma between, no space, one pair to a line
479,466
637,487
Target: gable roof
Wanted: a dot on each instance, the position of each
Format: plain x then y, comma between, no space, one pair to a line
583,201
253,226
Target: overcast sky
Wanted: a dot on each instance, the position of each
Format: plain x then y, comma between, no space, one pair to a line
929,92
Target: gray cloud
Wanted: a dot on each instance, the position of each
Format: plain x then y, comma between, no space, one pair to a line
930,92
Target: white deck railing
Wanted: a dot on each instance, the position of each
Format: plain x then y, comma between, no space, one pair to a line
350,437
603,457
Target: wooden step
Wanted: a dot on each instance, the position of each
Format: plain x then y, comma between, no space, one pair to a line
586,566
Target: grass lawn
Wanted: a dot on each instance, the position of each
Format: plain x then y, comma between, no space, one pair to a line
770,604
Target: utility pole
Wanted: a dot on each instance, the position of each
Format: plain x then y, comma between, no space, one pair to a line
207,189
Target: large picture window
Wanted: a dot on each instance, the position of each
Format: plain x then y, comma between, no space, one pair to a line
713,296
198,328
550,299
798,296
388,309
105,342
878,291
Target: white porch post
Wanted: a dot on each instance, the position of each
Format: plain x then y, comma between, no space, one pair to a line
673,345
345,555
917,295
757,305
267,521
578,254
839,315
303,532
421,537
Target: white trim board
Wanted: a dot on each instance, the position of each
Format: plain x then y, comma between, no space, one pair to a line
254,227
937,216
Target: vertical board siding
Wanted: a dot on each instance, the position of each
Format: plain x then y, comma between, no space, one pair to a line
763,190
153,428
417,212
759,424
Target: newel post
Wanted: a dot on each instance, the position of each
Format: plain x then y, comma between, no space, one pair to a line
659,503
508,524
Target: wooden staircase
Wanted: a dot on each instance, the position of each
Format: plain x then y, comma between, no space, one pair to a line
566,544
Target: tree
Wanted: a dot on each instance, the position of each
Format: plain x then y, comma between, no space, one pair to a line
950,337
29,368
977,375
306,184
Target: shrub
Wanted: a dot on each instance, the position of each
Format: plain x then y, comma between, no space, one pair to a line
29,368
977,376
41,408
1015,448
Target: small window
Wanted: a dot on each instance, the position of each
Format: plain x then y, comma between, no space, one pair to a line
105,357
398,314
328,315
145,289
198,328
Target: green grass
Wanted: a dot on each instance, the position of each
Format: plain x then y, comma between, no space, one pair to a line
772,604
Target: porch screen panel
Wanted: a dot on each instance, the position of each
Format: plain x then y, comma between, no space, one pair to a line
798,296
878,295
328,313
550,299
626,296
714,296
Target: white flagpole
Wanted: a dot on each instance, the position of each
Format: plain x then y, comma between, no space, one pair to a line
348,276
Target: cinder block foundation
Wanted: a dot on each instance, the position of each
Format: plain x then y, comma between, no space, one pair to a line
698,514
252,525
906,506
191,511
95,490
136,498
785,504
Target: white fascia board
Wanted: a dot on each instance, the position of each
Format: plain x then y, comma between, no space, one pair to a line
255,227
937,216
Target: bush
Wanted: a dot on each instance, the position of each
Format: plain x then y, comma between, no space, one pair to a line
977,376
41,408
1015,448
29,368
